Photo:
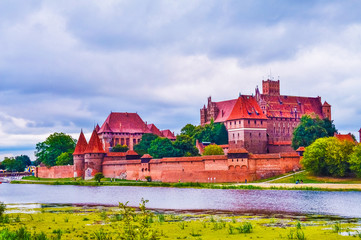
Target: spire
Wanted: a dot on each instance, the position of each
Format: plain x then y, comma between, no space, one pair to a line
95,145
81,144
97,128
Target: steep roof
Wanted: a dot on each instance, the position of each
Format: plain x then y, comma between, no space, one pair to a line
81,145
225,109
123,122
95,145
246,107
154,130
290,106
345,137
97,128
168,134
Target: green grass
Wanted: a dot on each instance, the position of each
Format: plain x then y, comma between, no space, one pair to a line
91,223
308,178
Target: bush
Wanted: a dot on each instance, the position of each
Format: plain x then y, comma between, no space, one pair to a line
148,178
2,209
98,176
213,149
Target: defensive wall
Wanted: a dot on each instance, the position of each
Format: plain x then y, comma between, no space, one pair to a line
236,166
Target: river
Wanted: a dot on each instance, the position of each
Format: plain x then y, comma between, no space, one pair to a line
344,204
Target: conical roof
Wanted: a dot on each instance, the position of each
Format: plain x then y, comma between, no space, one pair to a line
95,145
97,128
81,144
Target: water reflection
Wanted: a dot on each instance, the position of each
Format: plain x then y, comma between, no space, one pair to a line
345,204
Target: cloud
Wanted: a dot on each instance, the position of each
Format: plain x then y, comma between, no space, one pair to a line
65,65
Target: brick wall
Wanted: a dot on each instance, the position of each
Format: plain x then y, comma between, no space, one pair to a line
55,172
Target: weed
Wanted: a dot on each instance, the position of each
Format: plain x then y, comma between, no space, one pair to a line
194,234
161,218
181,225
230,229
101,235
103,215
66,219
245,227
337,227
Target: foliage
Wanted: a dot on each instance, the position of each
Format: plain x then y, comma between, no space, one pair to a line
355,160
17,164
328,157
213,132
2,209
148,178
98,176
120,148
184,144
66,158
163,147
142,147
56,144
213,149
136,226
311,129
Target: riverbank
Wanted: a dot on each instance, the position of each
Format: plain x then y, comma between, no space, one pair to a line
251,186
59,222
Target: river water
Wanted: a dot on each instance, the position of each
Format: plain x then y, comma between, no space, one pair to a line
344,204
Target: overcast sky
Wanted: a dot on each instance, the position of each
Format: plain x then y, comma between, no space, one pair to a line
65,65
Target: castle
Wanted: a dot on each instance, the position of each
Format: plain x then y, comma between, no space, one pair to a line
127,129
264,122
236,166
261,124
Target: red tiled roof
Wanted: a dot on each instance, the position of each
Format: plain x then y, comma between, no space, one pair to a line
286,106
131,152
326,104
146,156
124,123
168,134
300,149
106,128
225,109
246,107
237,150
154,130
95,145
81,145
116,154
97,128
345,137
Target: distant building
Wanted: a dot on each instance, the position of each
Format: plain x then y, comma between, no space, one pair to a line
126,129
263,123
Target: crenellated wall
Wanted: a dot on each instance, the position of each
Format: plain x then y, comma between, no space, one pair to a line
221,168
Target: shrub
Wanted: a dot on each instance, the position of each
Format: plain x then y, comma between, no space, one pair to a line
98,176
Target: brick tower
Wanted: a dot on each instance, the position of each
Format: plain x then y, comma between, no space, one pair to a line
326,110
78,155
94,155
271,88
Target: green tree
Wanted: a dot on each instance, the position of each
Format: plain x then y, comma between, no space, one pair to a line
311,129
13,164
142,147
120,148
98,176
163,147
355,160
213,149
66,158
184,144
188,130
24,159
56,144
328,157
221,134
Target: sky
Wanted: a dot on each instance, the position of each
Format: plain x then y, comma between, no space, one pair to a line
65,65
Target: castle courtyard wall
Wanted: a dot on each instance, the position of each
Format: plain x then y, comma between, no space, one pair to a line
190,169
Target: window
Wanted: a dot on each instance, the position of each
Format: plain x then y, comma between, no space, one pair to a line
255,121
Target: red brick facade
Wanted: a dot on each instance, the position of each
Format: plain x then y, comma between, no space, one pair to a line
236,166
263,123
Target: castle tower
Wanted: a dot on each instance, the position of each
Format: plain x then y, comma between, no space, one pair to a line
271,88
94,154
78,155
326,110
360,135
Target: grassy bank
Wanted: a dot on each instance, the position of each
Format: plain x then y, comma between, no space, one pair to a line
308,178
115,223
